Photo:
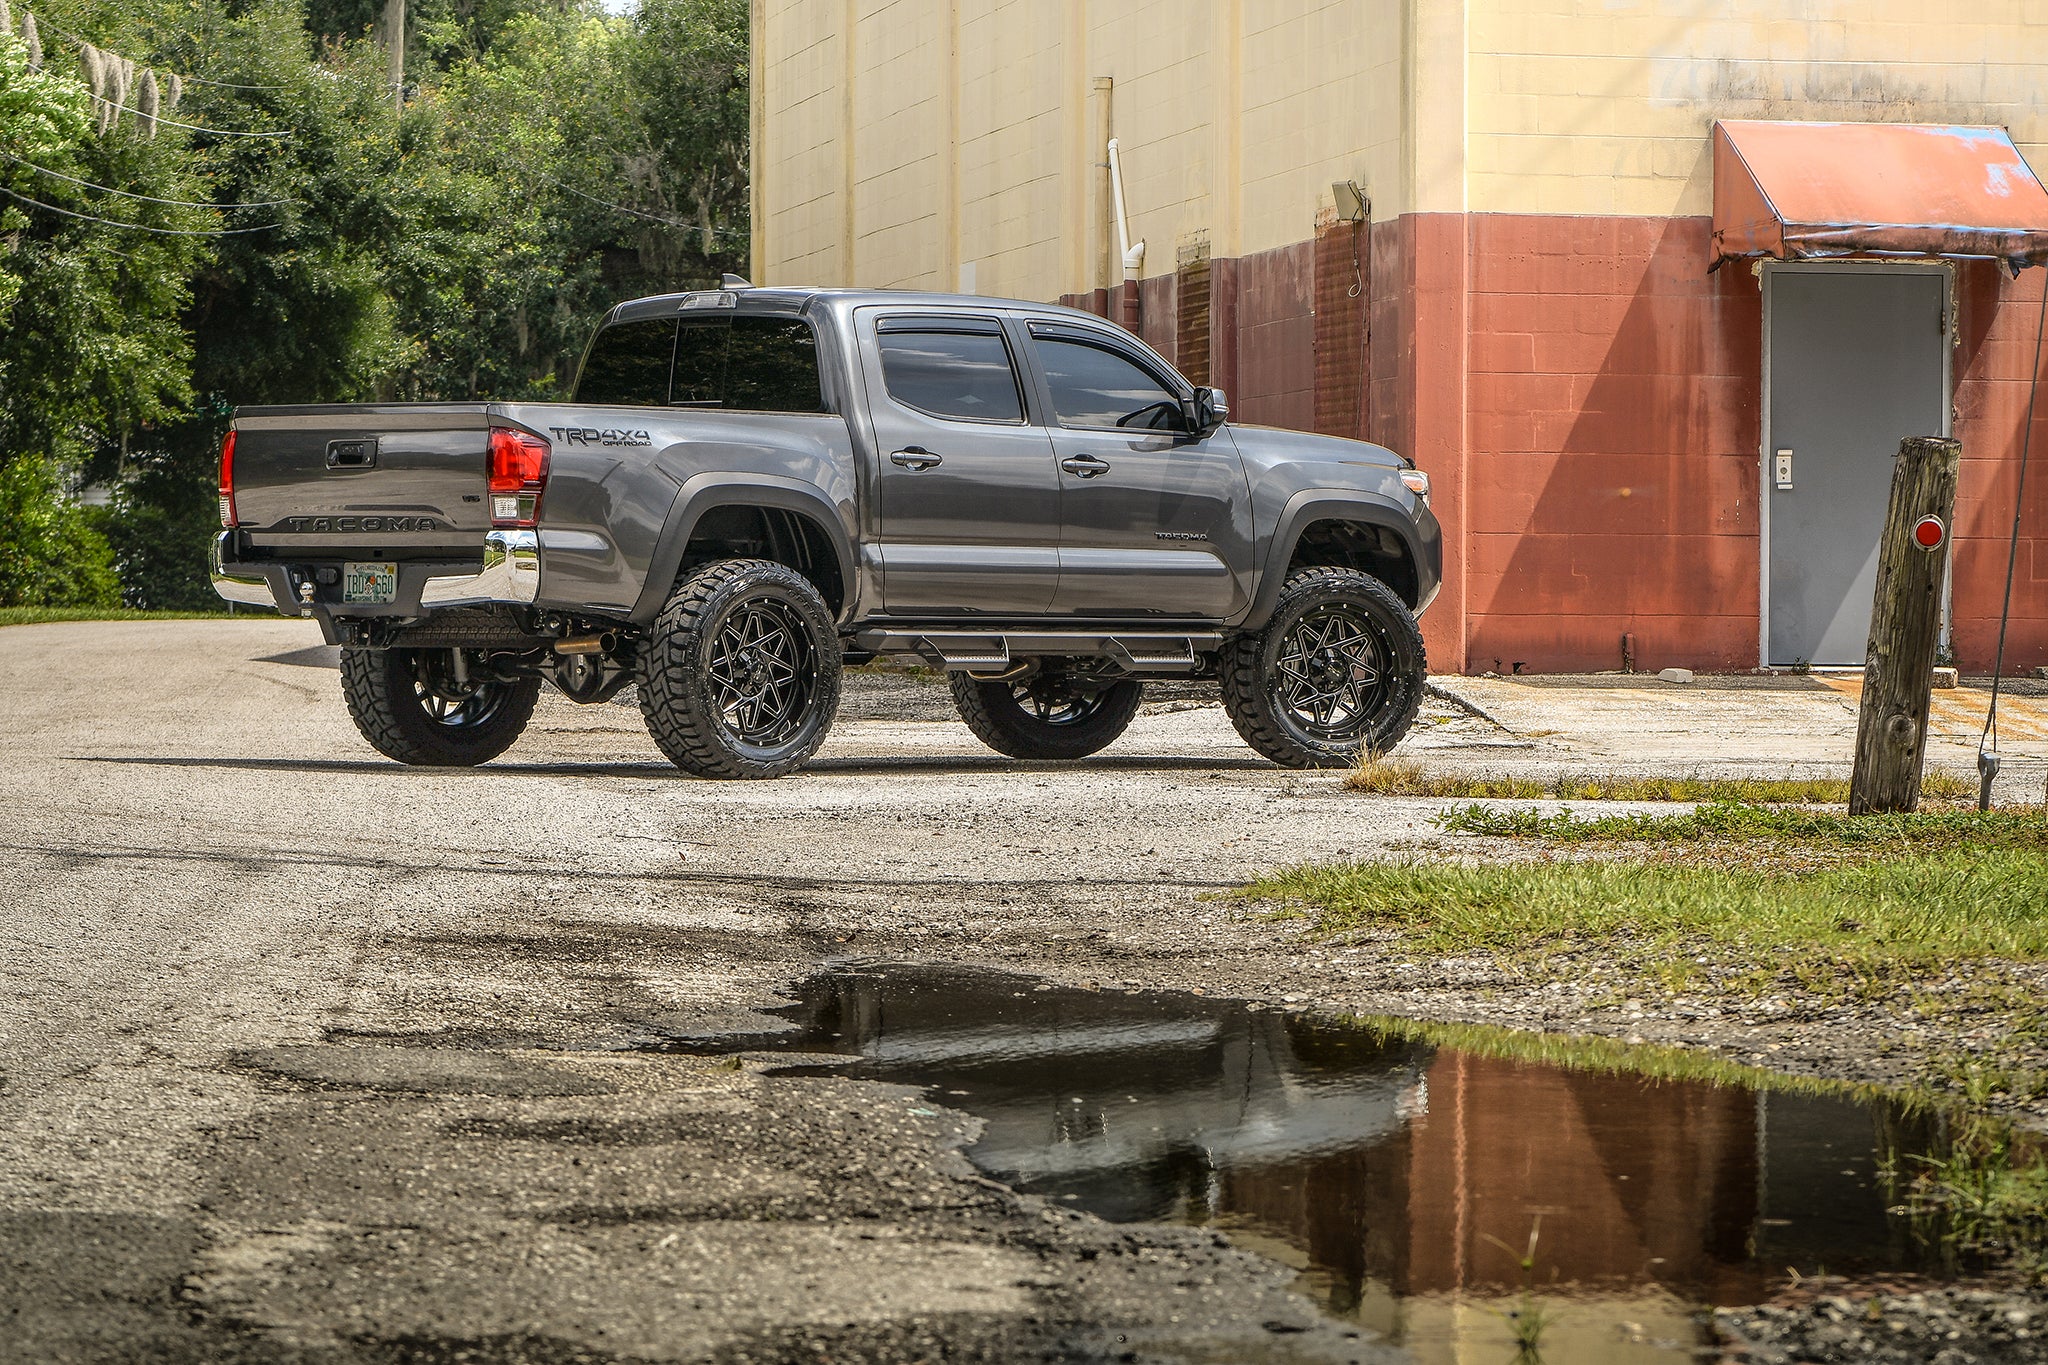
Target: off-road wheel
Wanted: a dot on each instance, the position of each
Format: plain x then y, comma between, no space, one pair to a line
739,676
1057,712
1338,671
418,706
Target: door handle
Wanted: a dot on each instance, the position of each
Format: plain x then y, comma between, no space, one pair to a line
1084,466
915,458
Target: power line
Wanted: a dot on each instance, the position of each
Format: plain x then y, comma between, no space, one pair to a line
650,217
194,127
146,198
227,85
135,227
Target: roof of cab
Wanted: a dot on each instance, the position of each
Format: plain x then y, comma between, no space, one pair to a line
794,299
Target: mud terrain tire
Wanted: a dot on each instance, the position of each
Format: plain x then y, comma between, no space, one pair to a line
1045,718
407,704
1337,671
739,677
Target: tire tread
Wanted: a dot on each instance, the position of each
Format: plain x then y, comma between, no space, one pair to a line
1031,740
1246,697
379,705
682,731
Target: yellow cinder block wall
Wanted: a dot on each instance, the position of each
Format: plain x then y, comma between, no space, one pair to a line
940,143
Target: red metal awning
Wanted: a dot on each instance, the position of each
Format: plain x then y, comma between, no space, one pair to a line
1800,191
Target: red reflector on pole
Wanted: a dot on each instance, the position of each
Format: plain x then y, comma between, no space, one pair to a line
1929,533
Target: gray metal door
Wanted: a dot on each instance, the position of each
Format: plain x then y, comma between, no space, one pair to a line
966,485
1857,359
1151,515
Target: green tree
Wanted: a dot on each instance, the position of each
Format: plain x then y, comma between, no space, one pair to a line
549,160
50,555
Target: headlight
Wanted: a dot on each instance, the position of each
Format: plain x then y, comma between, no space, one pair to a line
1416,482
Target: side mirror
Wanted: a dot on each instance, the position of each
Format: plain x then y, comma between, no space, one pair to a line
1212,408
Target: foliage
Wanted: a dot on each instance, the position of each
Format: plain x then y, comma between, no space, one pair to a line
547,160
50,555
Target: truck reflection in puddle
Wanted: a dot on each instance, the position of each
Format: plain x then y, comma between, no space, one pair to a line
1402,1179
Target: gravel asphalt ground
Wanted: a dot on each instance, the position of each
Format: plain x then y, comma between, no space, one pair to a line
308,1056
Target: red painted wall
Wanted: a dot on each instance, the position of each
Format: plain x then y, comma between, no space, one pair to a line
1997,319
1276,334
1614,395
1588,402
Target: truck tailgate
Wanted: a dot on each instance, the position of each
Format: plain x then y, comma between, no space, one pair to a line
381,474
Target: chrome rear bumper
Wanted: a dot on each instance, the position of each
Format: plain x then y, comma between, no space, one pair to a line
509,575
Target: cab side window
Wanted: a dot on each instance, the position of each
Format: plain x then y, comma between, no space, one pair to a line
1094,386
964,375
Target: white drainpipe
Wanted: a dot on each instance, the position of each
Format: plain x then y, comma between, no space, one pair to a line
1134,252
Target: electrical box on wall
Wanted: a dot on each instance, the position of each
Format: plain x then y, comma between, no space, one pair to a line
1781,469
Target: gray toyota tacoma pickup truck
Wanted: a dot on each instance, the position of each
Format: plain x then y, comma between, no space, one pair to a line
751,487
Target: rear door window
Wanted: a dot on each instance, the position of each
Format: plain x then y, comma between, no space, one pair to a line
751,364
628,365
959,370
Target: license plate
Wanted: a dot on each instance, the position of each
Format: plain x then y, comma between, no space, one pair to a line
366,582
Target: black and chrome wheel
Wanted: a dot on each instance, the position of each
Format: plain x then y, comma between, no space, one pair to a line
1336,672
435,707
740,675
1056,711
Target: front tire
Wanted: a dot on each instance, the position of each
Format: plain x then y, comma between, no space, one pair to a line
1337,672
417,706
1058,713
739,677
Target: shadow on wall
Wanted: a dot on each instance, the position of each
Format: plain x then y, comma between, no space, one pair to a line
1615,392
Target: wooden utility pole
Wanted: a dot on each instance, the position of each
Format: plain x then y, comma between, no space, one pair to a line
393,34
1905,618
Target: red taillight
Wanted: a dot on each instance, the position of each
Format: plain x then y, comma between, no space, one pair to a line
227,480
519,472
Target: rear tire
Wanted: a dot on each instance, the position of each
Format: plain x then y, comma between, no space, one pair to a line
739,677
410,706
1053,715
1337,672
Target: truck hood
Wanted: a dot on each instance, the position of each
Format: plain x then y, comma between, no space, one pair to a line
1272,446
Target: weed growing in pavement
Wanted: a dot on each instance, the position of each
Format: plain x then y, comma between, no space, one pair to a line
1409,777
1528,1318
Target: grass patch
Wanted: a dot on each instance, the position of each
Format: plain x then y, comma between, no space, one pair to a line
1611,1057
1409,777
37,616
1924,908
1722,823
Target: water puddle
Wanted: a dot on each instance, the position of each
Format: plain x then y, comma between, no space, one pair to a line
1403,1179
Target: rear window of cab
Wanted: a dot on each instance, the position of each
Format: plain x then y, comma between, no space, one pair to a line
733,362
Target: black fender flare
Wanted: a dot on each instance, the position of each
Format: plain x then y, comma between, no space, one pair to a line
1422,541
700,493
